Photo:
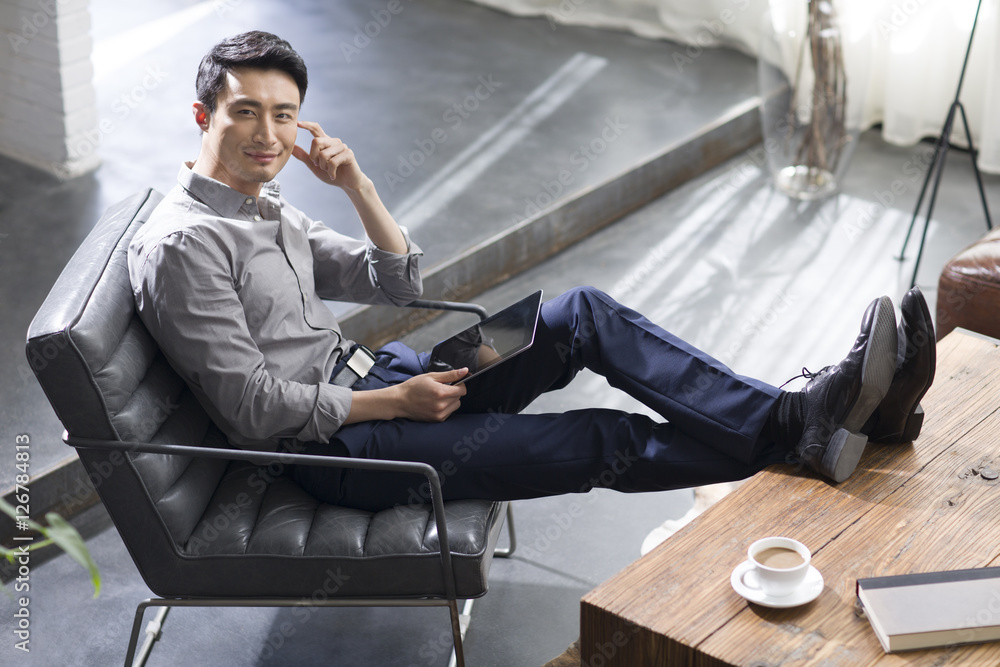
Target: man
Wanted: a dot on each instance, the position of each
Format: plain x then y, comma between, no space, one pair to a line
229,279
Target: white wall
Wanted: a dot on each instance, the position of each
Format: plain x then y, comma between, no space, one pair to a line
47,100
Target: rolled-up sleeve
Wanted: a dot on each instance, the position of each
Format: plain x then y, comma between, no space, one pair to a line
185,295
347,269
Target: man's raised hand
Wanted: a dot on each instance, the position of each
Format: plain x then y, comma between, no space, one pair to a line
330,159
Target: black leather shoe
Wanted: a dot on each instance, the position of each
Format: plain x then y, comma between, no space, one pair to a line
900,416
839,400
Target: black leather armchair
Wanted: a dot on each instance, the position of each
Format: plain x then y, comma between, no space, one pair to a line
208,525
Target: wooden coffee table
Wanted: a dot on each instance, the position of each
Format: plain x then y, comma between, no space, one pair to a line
908,508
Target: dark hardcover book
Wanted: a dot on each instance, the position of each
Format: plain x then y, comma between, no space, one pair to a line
913,611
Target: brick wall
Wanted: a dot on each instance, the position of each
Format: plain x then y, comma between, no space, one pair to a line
47,101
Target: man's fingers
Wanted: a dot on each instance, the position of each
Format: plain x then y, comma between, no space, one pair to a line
447,377
313,127
301,154
331,152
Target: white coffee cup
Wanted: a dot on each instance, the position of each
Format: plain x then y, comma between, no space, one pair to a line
780,565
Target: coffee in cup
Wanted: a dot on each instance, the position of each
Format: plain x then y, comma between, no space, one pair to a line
780,565
780,558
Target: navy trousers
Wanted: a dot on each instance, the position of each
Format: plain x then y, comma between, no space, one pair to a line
712,419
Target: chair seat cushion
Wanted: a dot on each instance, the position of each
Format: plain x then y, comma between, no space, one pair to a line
264,536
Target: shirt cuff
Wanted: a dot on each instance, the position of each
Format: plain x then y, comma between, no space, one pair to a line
393,264
333,404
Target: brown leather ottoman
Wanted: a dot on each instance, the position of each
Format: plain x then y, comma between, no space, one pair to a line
969,289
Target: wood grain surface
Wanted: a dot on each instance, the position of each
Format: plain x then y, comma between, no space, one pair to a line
908,508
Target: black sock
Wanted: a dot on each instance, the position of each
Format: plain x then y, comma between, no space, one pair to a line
787,420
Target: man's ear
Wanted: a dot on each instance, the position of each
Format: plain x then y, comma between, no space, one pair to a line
201,115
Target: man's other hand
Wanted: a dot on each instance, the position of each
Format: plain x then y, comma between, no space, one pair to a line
431,397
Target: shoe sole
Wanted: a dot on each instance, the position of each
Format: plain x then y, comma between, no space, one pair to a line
846,445
877,368
914,421
843,453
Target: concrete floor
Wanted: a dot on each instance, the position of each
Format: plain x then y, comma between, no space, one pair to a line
766,284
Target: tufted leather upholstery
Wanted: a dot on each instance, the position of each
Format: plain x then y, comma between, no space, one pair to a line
204,527
969,289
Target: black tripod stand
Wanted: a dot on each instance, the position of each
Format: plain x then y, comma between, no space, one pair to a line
937,164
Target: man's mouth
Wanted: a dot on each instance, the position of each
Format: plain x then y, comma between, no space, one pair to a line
262,158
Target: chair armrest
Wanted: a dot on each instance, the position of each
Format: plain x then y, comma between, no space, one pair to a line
302,459
450,305
253,456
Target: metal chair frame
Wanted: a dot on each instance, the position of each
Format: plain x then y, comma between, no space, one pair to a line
450,599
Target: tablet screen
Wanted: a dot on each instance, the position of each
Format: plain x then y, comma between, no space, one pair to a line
492,341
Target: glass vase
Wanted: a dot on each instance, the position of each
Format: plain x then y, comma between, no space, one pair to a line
813,77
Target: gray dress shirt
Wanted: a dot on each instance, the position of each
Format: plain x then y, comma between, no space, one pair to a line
232,288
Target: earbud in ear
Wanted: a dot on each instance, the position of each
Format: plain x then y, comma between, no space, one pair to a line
201,118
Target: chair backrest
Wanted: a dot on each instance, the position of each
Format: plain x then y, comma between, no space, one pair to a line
198,526
106,379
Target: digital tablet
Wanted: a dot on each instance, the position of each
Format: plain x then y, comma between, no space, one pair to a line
491,342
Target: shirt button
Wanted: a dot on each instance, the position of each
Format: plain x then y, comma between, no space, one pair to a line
249,200
256,218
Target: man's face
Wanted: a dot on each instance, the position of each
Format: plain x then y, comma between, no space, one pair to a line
250,136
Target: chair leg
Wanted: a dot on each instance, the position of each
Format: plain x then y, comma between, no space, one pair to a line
456,632
130,658
506,552
464,620
133,639
459,621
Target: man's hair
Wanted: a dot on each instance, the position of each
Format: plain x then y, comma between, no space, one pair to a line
255,49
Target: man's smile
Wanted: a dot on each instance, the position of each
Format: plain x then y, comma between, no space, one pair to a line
262,157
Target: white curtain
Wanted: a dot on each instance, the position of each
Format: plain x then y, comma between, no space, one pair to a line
917,52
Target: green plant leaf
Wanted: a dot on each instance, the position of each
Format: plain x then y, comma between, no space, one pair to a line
66,537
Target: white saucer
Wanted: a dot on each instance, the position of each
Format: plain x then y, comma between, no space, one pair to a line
807,592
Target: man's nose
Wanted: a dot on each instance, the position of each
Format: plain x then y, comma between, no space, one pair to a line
265,133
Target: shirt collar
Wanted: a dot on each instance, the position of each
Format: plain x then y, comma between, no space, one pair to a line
218,196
